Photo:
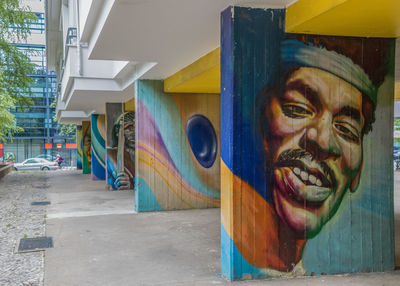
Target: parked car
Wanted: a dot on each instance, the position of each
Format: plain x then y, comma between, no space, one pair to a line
48,157
36,164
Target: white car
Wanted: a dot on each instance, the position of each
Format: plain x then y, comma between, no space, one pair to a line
37,164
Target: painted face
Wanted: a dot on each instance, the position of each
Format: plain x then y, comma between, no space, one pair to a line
87,146
314,146
129,132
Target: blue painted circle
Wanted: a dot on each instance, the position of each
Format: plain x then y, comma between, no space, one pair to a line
202,139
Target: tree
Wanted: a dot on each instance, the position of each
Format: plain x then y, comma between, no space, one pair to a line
15,66
65,129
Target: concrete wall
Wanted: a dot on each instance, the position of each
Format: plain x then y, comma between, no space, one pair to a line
79,147
177,149
98,130
306,186
5,169
86,148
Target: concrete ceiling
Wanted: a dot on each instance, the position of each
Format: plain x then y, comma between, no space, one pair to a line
172,33
94,100
53,33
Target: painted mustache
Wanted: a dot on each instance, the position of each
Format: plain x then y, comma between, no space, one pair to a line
298,158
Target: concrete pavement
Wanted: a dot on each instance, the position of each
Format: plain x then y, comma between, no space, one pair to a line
100,240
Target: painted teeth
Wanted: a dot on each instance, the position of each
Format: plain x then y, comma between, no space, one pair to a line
307,177
304,176
312,179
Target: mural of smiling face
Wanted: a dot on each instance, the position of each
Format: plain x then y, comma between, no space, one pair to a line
313,147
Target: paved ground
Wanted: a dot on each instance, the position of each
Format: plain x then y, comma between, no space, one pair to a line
100,240
19,219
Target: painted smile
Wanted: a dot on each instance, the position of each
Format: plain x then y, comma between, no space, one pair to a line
308,186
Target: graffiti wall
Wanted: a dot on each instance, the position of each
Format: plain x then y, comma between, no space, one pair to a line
177,149
120,126
79,147
98,146
306,171
86,148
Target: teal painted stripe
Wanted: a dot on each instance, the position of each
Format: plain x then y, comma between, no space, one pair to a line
233,265
98,142
145,200
162,107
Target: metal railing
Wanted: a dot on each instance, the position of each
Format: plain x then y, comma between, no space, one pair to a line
71,37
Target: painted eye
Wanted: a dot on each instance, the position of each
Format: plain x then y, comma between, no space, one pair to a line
346,131
295,110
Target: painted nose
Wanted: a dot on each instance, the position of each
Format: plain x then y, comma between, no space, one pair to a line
319,139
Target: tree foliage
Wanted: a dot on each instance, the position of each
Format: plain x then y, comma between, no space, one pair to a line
7,120
15,66
68,130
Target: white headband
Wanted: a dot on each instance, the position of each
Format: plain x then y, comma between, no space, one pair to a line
296,53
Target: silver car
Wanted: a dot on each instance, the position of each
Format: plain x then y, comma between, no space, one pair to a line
35,164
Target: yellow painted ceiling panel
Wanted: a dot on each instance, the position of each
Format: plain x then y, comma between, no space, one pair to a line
397,91
359,18
206,82
130,105
202,76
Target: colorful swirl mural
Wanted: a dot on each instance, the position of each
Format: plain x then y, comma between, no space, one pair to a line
79,147
177,163
306,171
98,146
86,148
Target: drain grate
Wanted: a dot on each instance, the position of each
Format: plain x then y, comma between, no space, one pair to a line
42,187
44,203
35,244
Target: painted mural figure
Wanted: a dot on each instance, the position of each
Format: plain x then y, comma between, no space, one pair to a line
122,171
86,147
313,120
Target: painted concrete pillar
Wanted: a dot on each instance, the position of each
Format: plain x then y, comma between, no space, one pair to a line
79,147
98,146
120,146
86,148
306,142
177,149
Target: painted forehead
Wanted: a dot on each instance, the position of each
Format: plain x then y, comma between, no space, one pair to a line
328,88
297,54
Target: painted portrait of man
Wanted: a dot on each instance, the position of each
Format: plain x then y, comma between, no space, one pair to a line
121,155
300,146
313,123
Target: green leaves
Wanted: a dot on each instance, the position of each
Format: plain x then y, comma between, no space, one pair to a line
7,120
15,21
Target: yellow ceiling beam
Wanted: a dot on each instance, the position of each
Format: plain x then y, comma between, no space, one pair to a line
397,90
202,76
358,18
130,105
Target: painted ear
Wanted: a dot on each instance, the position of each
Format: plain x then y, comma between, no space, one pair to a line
356,181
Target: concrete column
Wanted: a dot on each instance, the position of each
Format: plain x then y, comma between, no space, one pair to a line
120,146
97,123
306,173
79,147
171,131
86,148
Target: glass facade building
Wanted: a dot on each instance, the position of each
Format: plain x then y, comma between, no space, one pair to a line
38,120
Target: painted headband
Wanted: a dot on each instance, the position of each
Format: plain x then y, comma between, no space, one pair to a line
295,53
